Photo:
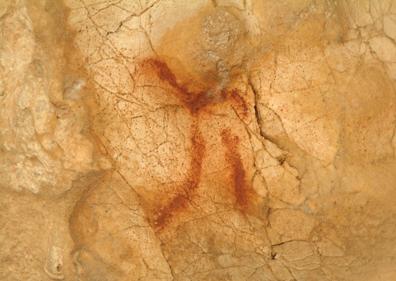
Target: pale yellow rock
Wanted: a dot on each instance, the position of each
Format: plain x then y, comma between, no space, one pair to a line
384,48
202,140
289,224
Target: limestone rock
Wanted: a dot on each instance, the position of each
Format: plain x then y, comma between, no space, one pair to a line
197,140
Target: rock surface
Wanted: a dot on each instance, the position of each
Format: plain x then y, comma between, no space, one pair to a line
198,140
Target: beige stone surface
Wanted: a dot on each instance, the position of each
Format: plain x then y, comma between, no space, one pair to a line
197,140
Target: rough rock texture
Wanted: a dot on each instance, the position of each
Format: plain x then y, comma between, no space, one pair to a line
198,140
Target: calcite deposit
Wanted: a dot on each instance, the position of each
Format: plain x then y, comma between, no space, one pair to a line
222,140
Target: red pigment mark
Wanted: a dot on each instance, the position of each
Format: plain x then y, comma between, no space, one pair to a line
240,102
238,172
194,101
181,200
